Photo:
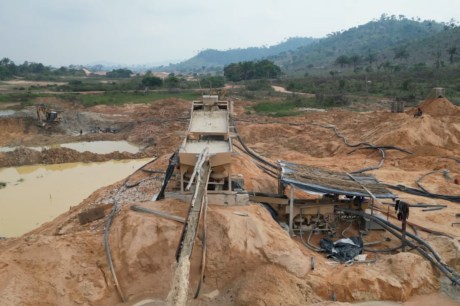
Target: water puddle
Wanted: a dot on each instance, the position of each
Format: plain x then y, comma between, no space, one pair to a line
39,193
102,147
99,147
7,112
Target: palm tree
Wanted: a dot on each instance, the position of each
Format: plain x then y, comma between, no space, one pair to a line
355,59
452,51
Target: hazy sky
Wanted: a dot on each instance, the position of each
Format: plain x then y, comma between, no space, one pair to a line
63,32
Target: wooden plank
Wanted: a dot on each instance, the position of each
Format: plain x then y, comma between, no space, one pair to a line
269,200
93,214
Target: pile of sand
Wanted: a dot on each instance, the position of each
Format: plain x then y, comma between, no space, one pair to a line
429,135
250,259
421,132
439,107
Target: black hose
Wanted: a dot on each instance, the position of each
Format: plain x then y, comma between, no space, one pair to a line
173,162
433,208
257,162
157,213
382,160
347,228
115,210
419,205
307,243
389,250
382,147
414,228
393,229
249,151
445,172
418,192
107,246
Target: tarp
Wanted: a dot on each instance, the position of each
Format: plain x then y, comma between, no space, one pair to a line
322,181
344,250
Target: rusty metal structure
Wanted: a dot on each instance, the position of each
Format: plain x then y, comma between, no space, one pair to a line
209,127
209,130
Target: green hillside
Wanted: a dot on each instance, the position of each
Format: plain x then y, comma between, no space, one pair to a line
368,44
216,59
439,50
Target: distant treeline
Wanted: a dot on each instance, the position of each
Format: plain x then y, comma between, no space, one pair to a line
8,70
251,70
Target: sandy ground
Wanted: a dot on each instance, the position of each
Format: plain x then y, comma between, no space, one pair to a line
250,259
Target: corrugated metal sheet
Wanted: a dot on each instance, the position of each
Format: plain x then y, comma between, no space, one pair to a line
317,180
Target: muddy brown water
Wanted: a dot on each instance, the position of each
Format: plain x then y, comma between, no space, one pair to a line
98,147
39,193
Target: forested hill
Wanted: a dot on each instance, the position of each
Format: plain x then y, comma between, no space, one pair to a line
389,40
365,43
218,59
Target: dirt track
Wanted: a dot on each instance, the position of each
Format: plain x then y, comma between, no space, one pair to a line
251,260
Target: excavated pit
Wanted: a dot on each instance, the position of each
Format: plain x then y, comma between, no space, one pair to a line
251,260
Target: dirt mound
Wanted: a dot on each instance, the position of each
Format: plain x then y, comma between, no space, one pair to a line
255,179
16,130
277,288
143,248
250,257
421,132
447,248
275,139
394,277
439,107
25,156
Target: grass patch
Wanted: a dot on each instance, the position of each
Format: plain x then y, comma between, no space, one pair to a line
107,98
24,98
112,98
2,185
288,106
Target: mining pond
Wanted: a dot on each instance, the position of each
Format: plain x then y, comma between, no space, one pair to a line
98,147
38,193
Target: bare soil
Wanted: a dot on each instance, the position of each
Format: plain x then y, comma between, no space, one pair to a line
250,259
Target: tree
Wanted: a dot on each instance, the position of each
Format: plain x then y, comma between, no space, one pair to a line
355,59
452,51
248,70
152,81
7,68
172,81
439,62
5,61
119,73
266,69
400,53
233,72
212,81
342,60
251,70
371,57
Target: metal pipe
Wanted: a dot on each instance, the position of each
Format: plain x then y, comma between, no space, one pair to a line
291,211
157,213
